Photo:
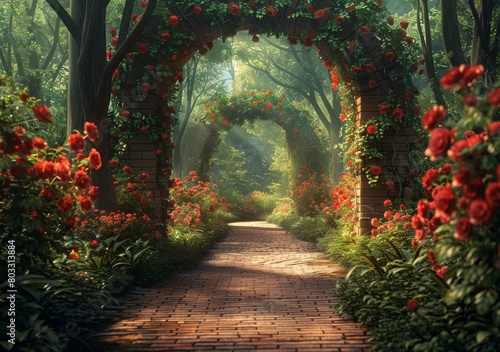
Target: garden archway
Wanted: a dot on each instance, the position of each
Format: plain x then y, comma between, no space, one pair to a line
304,145
361,45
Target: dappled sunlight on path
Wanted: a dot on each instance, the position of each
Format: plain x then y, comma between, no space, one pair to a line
259,289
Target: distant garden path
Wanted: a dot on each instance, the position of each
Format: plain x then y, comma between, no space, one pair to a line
259,289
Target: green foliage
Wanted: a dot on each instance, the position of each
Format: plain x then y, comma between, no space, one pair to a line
380,293
257,205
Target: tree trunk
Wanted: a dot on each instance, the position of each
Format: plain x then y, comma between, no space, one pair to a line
91,63
449,30
425,39
76,117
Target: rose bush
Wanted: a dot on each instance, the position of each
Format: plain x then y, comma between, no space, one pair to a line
41,188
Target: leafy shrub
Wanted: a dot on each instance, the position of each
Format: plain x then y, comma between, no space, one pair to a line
311,193
396,294
450,284
279,214
309,229
40,186
40,191
257,204
195,204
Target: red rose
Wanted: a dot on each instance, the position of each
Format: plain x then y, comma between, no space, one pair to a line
357,70
292,40
479,211
23,97
145,86
445,169
494,97
339,19
445,202
94,243
462,76
173,20
372,83
387,203
164,37
433,117
374,222
76,142
42,113
383,109
370,67
390,56
351,8
113,163
364,29
39,143
112,31
271,11
85,204
439,143
372,129
94,192
64,204
404,24
95,159
70,221
310,8
142,48
82,180
462,228
412,305
390,185
429,177
493,194
457,148
114,41
91,131
390,20
320,13
375,170
398,113
234,9
197,9
49,194
416,222
255,39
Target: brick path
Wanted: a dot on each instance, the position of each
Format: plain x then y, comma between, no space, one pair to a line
259,289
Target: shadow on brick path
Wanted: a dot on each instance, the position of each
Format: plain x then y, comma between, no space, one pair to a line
260,289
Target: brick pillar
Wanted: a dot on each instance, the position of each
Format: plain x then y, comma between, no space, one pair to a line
395,147
141,157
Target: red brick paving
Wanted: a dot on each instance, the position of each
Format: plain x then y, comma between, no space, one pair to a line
259,289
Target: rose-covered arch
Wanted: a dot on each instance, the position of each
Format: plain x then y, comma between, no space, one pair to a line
368,53
304,144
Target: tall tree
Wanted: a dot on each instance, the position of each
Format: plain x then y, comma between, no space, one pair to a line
204,78
424,30
296,69
90,84
33,50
